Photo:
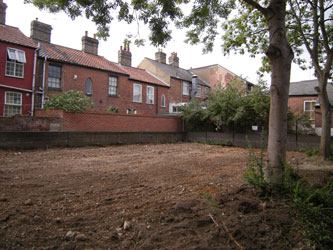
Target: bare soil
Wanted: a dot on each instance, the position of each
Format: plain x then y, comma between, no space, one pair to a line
167,196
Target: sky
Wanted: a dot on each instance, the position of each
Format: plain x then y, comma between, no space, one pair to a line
68,33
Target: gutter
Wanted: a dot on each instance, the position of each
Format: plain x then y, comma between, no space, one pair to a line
10,87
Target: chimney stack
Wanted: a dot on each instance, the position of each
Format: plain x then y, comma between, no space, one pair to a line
194,86
3,8
40,32
160,56
174,60
90,45
124,55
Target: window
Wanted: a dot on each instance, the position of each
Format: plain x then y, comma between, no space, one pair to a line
113,85
15,62
198,94
163,101
89,86
150,95
309,109
54,77
206,91
13,103
131,111
137,93
186,88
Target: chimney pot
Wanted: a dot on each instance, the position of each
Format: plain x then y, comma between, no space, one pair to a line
125,56
89,44
40,32
3,8
160,56
174,60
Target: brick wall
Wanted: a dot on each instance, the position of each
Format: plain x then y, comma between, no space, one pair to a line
28,123
99,122
110,122
296,104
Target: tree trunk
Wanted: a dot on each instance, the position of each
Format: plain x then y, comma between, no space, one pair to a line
325,106
280,55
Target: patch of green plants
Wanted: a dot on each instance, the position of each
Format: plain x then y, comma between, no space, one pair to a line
310,152
314,205
210,200
218,143
111,109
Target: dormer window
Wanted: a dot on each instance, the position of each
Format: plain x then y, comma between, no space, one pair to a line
15,62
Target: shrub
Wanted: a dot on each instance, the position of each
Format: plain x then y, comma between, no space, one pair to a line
70,101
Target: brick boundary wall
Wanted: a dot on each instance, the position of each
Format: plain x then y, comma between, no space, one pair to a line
241,140
110,122
29,123
45,140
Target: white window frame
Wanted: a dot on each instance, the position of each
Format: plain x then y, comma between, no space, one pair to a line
310,111
15,61
137,95
198,94
131,111
8,103
186,88
54,79
163,101
113,86
150,96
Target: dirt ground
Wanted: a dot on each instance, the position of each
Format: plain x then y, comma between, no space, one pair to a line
166,196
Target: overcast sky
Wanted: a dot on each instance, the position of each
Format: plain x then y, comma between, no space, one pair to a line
68,33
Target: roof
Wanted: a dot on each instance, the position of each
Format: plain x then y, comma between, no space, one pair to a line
177,72
307,88
72,56
143,76
13,35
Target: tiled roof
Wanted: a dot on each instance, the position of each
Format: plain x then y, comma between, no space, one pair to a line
142,75
307,88
14,35
68,55
177,72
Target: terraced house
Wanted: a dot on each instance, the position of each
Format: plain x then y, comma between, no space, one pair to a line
112,86
17,57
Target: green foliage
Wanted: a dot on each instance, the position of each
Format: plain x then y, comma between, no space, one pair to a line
310,152
210,200
230,107
219,143
69,101
314,205
299,123
111,109
254,173
195,115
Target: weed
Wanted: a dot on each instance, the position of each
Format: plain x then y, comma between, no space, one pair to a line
254,174
218,143
111,109
310,152
210,200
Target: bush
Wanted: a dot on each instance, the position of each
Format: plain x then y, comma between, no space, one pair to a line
70,101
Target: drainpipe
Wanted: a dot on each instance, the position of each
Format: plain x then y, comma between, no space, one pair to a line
194,86
34,81
43,93
157,98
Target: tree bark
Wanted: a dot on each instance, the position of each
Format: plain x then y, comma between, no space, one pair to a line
325,106
280,55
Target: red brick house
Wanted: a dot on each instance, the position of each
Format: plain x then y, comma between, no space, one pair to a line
17,60
303,99
218,76
180,81
110,85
